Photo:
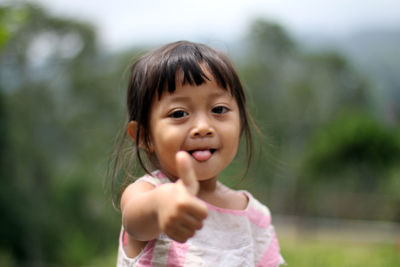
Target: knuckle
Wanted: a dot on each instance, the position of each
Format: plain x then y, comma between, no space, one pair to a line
180,239
201,216
169,226
172,219
181,205
191,234
199,226
205,213
166,229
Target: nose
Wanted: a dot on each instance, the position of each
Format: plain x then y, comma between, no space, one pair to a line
202,127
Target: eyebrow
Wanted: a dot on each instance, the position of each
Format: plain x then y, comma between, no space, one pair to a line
173,98
214,94
178,98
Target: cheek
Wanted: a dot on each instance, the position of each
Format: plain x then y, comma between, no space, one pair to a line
231,136
235,126
236,133
234,143
167,141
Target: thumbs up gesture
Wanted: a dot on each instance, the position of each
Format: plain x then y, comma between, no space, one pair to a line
182,213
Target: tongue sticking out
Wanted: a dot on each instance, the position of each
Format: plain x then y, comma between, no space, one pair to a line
202,155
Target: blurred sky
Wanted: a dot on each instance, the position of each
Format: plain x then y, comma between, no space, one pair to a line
122,23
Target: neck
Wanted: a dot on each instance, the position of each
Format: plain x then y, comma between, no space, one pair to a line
208,186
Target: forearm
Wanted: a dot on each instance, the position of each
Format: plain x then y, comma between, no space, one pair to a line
140,213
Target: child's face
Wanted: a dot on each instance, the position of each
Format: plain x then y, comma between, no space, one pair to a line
202,120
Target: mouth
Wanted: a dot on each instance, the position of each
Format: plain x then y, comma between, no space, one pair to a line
202,154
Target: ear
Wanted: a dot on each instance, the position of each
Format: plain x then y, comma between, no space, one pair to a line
132,131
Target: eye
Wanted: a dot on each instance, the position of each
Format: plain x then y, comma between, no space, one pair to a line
178,114
220,110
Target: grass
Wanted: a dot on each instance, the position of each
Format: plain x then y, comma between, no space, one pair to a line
312,252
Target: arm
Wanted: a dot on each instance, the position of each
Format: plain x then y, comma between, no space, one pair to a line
172,208
139,211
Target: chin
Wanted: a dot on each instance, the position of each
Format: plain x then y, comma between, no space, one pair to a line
204,174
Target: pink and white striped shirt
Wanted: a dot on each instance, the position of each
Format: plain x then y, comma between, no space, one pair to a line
228,238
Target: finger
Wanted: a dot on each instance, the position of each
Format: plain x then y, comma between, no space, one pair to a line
181,233
199,210
191,222
186,172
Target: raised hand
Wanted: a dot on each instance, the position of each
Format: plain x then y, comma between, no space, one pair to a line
183,213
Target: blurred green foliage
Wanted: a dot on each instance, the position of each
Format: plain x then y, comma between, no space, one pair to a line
61,105
353,142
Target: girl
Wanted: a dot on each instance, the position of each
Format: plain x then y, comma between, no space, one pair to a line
187,114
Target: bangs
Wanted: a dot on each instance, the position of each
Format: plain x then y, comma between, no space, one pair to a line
183,63
187,64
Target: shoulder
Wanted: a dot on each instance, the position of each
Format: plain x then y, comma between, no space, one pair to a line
244,200
156,178
256,204
231,199
240,198
143,184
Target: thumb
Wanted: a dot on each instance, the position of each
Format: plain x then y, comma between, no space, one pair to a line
186,172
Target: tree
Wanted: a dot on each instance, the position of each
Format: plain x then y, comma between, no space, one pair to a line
59,106
292,93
